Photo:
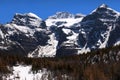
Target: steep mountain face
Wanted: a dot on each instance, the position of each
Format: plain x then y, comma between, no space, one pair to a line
99,27
66,30
60,34
25,32
114,38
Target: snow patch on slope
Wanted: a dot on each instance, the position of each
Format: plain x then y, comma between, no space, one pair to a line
3,47
83,50
65,22
33,15
117,42
24,73
72,39
12,28
104,44
66,31
46,51
1,34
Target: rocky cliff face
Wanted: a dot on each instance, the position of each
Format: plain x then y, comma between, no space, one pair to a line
98,27
25,32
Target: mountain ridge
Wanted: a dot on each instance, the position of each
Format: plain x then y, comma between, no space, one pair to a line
60,34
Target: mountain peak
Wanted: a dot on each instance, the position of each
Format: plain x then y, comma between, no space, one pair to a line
27,14
27,19
103,6
104,9
62,15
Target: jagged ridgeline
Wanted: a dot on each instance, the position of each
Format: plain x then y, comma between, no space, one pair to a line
61,34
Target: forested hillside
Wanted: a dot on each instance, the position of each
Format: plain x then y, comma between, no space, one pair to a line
103,64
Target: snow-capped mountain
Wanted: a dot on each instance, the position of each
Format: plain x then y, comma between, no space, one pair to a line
66,30
61,34
25,32
61,29
98,27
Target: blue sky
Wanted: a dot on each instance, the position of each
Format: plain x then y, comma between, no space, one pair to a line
45,8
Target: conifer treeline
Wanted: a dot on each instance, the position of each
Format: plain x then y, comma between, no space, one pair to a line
101,64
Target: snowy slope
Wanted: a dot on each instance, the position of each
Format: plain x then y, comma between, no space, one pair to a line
63,22
46,51
23,72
